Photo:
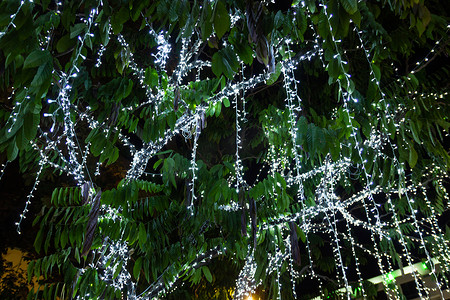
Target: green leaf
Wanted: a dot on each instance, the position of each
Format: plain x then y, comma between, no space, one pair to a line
221,19
37,58
412,156
117,271
137,267
274,75
226,102
216,64
65,43
12,150
43,74
218,108
142,235
350,6
207,273
77,30
377,72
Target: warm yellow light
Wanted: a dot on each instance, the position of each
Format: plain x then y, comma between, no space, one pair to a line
250,297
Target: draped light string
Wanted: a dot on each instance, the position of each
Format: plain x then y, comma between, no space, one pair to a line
94,124
117,253
69,131
17,106
140,159
65,104
184,123
347,96
401,173
245,283
294,274
416,225
435,230
3,168
140,75
432,51
197,128
30,195
238,162
325,195
102,49
404,246
275,262
13,17
357,263
160,287
290,85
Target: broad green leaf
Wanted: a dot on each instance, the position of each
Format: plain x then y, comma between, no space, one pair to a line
142,235
218,108
65,43
207,273
43,74
37,58
137,267
217,64
12,150
412,156
273,77
226,102
221,19
377,72
350,6
77,30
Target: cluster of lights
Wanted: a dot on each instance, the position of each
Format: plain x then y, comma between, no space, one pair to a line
189,125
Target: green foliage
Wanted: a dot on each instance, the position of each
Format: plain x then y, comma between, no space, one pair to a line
361,107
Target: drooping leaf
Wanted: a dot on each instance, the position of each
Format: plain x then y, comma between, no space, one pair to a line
221,19
36,58
350,6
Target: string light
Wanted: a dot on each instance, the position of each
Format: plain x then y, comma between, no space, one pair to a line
287,161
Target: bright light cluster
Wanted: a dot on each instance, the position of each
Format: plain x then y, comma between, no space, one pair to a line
328,205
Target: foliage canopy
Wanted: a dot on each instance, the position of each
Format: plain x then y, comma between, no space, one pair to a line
285,146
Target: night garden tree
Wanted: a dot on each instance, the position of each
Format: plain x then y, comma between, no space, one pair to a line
213,149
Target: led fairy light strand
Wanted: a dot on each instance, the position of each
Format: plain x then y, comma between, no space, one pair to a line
357,263
436,231
346,98
159,286
45,41
245,283
2,171
105,129
183,67
426,59
13,115
65,104
164,48
13,17
404,246
276,261
30,195
102,49
140,159
44,160
326,196
238,162
401,171
140,75
292,93
290,84
292,271
313,212
193,167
